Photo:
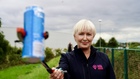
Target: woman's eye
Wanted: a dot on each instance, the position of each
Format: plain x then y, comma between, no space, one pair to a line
81,33
88,34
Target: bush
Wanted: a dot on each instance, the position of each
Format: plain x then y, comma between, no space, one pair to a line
58,52
12,58
49,54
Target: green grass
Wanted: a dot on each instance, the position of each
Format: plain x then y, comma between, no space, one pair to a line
30,71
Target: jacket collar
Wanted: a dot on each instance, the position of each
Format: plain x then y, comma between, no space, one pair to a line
79,53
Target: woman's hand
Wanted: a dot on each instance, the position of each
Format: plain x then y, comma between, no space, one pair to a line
57,74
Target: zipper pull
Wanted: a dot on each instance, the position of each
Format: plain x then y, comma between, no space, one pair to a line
87,65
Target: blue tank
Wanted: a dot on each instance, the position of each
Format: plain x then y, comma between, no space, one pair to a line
33,48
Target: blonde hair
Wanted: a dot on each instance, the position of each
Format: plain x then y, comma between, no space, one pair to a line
84,24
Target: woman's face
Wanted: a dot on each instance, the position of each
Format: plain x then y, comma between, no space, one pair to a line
84,39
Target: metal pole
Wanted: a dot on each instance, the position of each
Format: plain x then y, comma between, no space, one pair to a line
112,57
104,50
100,30
125,65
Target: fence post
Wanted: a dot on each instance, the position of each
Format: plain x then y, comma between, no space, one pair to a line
112,57
104,50
99,49
125,65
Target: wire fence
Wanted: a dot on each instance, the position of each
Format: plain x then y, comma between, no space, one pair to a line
126,62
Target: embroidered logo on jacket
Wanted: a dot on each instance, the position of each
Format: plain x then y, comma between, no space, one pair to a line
99,67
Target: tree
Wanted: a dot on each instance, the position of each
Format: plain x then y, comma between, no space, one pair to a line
4,45
103,43
3,42
112,42
0,23
9,56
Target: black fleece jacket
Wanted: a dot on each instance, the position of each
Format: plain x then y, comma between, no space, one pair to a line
97,66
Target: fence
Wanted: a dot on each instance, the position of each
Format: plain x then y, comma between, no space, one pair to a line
126,62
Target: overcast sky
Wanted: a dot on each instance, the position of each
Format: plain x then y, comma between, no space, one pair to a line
120,18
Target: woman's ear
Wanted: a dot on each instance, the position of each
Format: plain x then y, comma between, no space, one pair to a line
74,37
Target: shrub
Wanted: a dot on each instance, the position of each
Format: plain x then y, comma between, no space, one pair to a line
49,54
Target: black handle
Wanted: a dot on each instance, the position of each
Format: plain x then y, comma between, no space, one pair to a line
47,67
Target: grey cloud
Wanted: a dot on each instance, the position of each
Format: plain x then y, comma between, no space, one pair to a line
61,15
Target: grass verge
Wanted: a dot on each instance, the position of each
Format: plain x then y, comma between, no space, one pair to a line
30,71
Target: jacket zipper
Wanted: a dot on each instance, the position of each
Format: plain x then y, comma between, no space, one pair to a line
87,71
85,76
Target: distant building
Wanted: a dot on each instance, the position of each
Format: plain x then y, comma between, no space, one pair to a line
123,45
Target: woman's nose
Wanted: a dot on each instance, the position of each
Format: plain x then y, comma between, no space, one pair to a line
85,37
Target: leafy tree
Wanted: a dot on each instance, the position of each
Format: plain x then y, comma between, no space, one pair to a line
112,42
0,23
103,43
4,45
8,55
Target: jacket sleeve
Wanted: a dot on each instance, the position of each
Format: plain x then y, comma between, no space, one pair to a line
110,71
63,63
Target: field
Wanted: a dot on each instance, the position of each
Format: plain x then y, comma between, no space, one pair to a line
28,71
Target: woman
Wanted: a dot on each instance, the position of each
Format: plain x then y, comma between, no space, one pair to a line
84,62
